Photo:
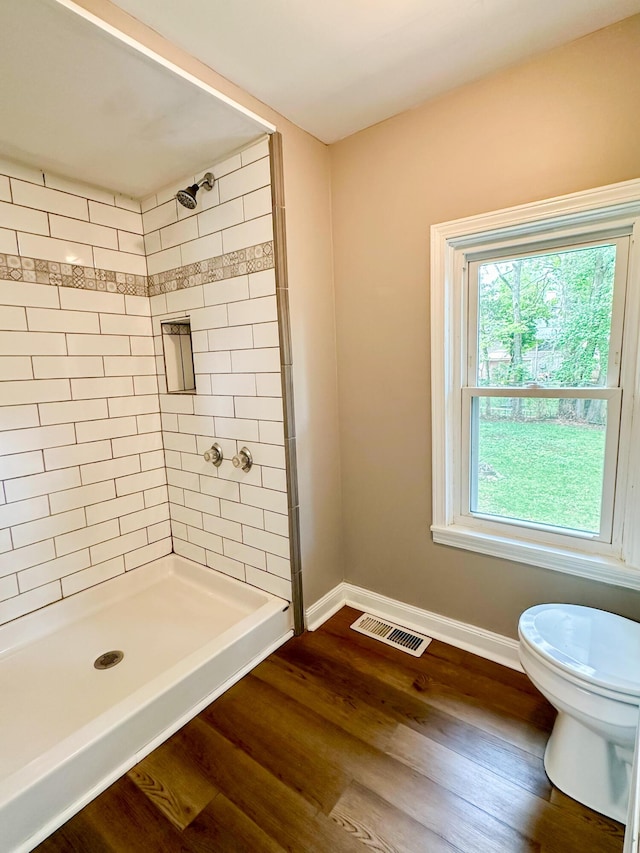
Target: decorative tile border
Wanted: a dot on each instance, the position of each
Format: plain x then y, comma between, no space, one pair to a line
172,329
38,271
230,265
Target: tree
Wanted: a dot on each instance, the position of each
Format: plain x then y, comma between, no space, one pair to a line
551,314
582,336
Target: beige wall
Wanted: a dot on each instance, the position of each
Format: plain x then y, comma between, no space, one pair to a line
565,122
308,201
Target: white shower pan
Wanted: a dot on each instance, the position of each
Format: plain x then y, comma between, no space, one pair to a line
68,730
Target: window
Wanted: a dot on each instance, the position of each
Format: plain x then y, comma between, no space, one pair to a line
534,351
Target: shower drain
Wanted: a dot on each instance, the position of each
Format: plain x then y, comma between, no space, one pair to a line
108,659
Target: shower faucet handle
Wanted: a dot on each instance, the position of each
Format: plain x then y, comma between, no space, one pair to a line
214,455
243,460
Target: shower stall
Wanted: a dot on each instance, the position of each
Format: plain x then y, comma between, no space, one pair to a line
147,434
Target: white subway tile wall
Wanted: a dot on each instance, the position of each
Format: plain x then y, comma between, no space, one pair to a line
53,231
84,413
71,361
224,517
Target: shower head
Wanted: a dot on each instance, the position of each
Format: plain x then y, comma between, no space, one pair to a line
187,197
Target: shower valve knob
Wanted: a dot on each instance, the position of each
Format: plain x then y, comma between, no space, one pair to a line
214,455
243,460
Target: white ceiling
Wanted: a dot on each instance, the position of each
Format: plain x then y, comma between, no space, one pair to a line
336,66
79,102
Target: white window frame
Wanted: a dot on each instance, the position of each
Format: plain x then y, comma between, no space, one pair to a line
593,215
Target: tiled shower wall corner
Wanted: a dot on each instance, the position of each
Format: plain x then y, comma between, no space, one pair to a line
83,495
82,470
215,265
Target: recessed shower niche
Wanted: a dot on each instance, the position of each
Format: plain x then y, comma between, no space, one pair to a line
178,356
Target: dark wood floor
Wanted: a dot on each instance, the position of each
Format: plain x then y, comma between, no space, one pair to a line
339,743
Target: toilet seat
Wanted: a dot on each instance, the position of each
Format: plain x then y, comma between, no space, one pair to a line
593,648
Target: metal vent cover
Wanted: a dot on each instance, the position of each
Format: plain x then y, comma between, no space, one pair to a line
391,634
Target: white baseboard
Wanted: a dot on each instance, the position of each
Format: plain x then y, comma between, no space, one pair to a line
326,606
479,641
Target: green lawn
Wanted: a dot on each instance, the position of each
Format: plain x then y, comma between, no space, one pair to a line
544,471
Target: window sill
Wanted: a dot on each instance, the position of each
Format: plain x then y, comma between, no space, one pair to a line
592,566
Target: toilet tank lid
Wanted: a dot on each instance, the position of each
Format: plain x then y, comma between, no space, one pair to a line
599,646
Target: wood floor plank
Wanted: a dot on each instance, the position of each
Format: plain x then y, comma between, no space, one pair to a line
496,672
539,819
128,823
223,827
75,836
458,699
514,696
173,783
308,675
291,727
570,806
382,827
343,708
494,793
275,747
448,656
282,814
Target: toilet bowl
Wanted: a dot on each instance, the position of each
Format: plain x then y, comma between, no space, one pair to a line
586,662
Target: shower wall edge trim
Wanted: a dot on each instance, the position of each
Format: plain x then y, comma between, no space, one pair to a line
286,370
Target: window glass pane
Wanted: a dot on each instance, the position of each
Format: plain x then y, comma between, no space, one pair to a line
546,319
539,460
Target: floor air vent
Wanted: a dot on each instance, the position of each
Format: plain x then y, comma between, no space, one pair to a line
393,635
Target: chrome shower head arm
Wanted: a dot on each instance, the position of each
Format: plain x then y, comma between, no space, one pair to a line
207,181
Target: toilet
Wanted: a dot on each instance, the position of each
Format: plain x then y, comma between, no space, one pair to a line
586,662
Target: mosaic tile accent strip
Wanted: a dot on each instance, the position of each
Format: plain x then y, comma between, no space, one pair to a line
175,328
230,265
37,271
